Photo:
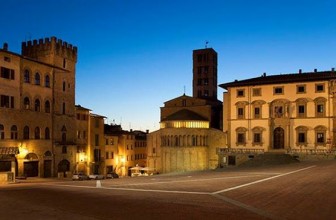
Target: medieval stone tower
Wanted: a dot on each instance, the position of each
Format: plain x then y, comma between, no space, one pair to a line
205,73
62,57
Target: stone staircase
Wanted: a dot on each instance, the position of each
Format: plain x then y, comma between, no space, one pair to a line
267,159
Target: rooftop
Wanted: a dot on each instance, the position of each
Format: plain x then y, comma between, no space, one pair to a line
282,78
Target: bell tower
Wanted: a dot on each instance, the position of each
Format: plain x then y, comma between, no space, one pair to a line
205,73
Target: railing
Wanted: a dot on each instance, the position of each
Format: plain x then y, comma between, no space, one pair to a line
311,151
239,150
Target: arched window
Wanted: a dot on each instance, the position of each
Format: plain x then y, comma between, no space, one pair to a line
63,108
37,105
47,133
47,106
37,133
26,76
37,79
2,132
26,103
47,81
64,130
14,133
26,132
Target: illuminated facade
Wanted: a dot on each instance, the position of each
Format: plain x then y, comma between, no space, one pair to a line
124,149
37,110
190,127
290,113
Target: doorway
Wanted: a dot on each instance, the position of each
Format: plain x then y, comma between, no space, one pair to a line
279,138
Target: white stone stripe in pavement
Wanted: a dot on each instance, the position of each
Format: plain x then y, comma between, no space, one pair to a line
262,180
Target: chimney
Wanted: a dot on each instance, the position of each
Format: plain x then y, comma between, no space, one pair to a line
264,74
300,71
5,46
315,70
332,69
147,131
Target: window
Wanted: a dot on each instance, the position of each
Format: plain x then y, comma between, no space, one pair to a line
64,137
278,111
26,132
26,76
64,63
7,73
240,113
301,111
278,91
320,106
206,81
14,133
47,133
257,135
37,105
301,137
96,139
256,138
240,93
153,150
241,136
64,85
47,106
63,109
320,138
320,134
5,101
301,89
7,59
37,79
47,81
26,103
84,134
319,87
206,93
97,123
112,155
107,155
256,92
64,149
199,82
241,110
257,112
37,133
2,132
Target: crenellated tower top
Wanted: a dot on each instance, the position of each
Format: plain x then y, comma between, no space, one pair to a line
43,48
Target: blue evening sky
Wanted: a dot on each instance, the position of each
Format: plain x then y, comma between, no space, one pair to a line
136,54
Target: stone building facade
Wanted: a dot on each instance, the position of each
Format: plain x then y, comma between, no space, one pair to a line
37,111
288,113
124,149
190,127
